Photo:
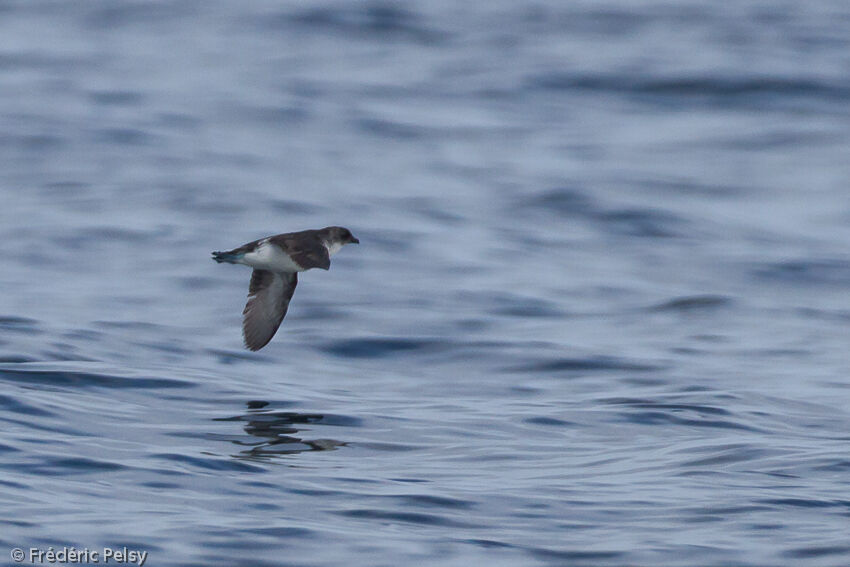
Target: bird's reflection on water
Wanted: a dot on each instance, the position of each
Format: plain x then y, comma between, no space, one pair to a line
274,433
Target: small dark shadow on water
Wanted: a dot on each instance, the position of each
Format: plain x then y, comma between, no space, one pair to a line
835,272
16,359
405,517
272,433
18,324
375,19
693,303
641,223
586,364
549,421
690,186
817,551
489,543
725,90
653,412
76,379
563,201
380,347
430,501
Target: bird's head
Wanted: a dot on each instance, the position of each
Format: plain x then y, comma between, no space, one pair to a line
340,235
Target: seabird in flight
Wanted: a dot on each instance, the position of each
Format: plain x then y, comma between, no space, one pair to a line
276,261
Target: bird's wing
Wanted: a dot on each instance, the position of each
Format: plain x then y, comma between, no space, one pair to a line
268,300
306,252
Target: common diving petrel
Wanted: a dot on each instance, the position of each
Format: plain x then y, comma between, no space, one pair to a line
276,261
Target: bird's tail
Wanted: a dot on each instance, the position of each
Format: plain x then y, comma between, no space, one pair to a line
229,257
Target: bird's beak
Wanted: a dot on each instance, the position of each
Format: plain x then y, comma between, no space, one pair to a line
354,240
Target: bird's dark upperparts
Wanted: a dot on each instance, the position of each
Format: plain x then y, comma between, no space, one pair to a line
276,261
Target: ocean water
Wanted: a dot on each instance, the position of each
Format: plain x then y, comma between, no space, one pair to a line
599,314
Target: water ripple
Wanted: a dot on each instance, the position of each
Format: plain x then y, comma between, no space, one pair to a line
62,466
380,347
696,87
87,379
405,517
694,303
587,364
806,272
208,463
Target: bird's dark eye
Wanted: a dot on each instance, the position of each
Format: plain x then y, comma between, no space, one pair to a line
346,234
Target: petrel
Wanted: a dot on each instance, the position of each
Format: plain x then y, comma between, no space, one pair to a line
276,261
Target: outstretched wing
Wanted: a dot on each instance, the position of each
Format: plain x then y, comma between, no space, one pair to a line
268,300
304,248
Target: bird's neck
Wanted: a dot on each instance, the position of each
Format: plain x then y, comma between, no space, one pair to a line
332,246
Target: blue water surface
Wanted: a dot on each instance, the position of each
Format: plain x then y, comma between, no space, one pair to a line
598,316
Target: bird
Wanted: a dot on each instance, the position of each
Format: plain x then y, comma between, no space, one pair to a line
276,261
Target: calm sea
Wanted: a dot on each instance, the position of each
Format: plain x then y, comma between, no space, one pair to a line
599,314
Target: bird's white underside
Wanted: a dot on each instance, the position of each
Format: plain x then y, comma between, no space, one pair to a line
269,257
